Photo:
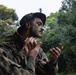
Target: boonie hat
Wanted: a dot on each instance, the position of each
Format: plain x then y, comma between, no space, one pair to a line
30,16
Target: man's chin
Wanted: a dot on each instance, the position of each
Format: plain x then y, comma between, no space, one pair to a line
39,36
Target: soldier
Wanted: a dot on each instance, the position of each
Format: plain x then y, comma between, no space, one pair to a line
20,54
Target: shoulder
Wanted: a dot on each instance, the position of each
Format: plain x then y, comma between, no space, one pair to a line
6,46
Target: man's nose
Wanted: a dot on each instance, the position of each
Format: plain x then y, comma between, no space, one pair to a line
42,28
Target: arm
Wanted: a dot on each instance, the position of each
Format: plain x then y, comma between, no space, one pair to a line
43,66
50,67
8,67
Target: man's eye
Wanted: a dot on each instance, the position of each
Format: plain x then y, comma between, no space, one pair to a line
39,24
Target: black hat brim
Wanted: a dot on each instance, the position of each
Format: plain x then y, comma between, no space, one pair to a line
30,16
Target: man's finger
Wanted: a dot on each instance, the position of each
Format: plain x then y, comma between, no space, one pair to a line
38,45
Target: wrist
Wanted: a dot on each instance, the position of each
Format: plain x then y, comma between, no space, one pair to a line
52,61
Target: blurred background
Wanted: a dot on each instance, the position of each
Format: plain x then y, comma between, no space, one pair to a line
60,26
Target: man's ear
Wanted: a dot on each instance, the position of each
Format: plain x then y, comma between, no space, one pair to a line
28,25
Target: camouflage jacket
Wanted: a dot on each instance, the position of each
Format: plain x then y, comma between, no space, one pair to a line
14,62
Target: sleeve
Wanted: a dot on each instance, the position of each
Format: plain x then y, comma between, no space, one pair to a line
43,66
8,67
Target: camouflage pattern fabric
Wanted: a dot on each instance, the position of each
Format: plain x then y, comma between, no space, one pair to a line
14,62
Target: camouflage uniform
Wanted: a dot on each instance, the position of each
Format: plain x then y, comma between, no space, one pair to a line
14,62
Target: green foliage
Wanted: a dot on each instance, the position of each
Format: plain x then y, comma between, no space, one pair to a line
66,18
10,21
67,13
51,21
6,31
2,7
61,28
66,73
7,18
8,14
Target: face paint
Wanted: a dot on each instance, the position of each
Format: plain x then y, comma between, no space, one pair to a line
37,27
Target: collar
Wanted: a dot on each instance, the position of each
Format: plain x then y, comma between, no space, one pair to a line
19,40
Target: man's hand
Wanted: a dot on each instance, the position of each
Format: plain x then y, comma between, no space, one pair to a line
55,53
29,44
34,52
31,47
